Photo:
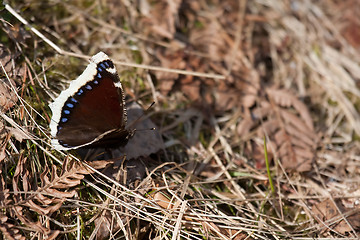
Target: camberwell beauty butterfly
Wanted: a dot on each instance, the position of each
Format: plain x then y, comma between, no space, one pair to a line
91,112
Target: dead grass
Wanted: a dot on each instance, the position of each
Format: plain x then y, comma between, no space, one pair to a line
224,75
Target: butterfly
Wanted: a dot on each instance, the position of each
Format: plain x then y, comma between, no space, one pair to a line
91,113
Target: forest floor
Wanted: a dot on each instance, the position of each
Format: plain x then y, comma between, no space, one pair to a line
256,116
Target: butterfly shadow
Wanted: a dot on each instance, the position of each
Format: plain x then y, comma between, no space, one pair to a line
145,141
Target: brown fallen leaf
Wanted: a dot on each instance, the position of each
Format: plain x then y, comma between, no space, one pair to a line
55,187
172,60
288,124
159,18
7,97
348,22
19,134
327,212
106,224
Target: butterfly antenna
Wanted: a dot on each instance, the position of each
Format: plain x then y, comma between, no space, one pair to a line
147,110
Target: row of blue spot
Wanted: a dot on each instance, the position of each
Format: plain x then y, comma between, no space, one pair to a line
70,103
